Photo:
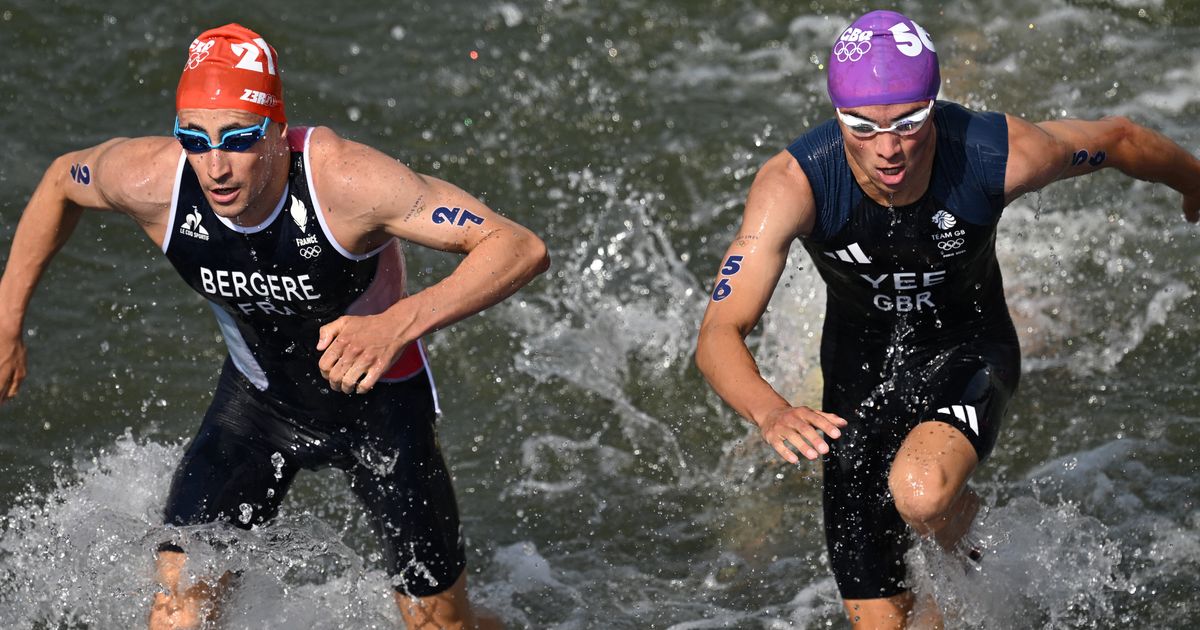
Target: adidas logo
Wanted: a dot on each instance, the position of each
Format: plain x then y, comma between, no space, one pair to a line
966,413
191,226
852,254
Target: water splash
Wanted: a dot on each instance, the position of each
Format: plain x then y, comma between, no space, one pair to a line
1043,566
79,554
82,554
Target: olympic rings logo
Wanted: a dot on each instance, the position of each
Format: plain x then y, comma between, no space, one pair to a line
851,51
199,52
950,245
310,252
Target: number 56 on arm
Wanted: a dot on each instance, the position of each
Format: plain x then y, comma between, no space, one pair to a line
779,209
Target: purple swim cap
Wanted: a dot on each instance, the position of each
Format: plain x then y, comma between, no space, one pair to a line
883,58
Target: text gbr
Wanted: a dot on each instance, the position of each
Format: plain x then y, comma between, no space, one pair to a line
904,281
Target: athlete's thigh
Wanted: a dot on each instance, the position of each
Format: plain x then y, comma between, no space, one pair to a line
227,474
401,477
970,392
864,534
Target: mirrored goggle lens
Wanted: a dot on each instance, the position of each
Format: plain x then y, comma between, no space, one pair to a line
192,144
240,141
237,140
910,125
863,130
904,127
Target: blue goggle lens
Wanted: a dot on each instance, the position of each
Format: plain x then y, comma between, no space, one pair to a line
236,140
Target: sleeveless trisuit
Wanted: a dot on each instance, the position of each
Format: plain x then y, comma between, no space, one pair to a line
916,327
272,287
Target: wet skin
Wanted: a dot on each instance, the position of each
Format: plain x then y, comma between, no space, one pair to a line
891,169
244,187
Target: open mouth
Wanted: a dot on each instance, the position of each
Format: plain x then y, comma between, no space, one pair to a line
892,176
224,195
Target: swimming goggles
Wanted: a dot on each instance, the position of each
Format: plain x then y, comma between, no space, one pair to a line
907,126
236,140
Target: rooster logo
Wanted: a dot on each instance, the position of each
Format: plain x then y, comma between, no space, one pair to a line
192,223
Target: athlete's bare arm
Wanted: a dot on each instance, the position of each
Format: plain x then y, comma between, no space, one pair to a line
779,209
1059,149
123,175
369,198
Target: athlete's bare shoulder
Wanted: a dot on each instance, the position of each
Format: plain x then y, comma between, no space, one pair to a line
135,176
783,169
342,158
782,195
364,183
330,150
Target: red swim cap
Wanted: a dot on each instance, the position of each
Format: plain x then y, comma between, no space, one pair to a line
232,67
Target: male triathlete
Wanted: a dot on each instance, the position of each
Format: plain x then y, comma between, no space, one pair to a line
292,234
897,200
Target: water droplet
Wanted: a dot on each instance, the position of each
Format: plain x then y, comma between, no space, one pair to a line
277,462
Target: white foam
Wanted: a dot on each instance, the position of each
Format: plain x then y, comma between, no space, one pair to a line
83,553
1044,566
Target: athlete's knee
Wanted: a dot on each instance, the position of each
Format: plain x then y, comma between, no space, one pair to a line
922,493
179,606
449,609
171,612
879,613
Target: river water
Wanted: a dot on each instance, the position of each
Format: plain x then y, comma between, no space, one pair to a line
602,484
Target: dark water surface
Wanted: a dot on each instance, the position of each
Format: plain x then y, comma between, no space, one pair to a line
602,485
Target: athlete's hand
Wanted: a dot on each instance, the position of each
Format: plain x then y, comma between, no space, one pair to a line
1191,207
357,350
788,428
12,367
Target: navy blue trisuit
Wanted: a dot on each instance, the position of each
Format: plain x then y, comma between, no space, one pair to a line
272,287
916,327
